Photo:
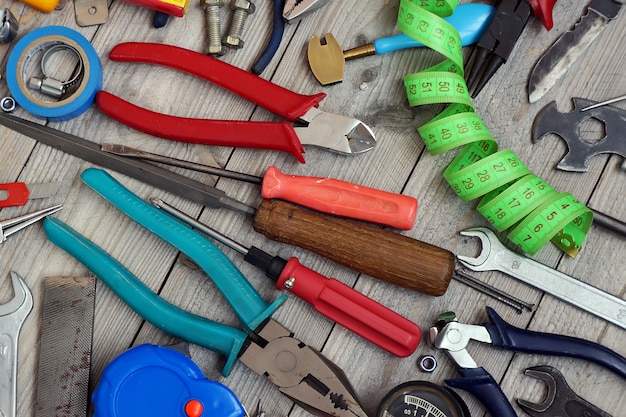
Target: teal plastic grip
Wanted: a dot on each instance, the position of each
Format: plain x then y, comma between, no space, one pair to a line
470,20
220,338
247,303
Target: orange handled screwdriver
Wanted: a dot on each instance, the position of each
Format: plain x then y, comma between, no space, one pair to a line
327,195
334,299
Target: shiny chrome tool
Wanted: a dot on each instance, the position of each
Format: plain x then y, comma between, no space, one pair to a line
294,10
453,337
559,58
560,400
12,316
497,257
15,224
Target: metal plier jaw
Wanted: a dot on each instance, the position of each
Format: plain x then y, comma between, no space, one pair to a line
295,10
301,373
454,338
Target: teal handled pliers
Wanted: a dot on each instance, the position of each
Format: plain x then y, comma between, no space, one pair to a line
307,378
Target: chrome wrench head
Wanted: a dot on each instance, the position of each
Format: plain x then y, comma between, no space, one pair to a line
491,245
560,400
12,316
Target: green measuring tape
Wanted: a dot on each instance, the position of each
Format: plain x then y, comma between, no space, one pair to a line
511,197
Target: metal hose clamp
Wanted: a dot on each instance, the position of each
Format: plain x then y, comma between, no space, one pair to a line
52,86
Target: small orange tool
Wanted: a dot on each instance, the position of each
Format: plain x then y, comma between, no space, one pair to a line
327,195
18,193
45,6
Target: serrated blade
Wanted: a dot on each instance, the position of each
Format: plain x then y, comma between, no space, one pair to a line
65,349
560,56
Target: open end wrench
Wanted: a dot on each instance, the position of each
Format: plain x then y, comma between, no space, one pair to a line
497,257
12,316
560,400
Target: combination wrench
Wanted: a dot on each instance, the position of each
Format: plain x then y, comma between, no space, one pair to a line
12,316
497,257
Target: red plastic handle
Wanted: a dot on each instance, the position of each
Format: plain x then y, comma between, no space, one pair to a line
341,198
278,136
543,10
13,194
270,96
353,310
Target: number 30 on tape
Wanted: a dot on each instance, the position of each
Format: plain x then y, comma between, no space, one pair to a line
25,60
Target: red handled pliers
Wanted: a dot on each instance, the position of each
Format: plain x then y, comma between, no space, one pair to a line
315,127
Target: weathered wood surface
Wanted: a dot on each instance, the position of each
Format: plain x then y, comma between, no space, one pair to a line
372,91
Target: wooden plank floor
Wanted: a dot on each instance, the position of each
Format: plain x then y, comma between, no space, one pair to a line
372,91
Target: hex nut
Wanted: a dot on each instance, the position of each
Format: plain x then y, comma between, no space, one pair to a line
210,3
233,42
246,5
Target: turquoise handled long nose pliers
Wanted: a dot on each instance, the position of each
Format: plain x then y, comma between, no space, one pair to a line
311,380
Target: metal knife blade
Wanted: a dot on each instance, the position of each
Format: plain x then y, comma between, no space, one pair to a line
559,57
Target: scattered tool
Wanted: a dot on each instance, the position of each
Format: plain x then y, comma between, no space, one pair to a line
422,398
15,224
8,25
495,256
65,346
326,195
609,222
330,131
569,127
132,381
294,10
453,337
273,43
569,46
560,400
265,346
327,60
377,252
12,316
495,46
604,103
335,300
18,193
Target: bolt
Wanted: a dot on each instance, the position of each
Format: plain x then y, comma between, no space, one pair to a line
214,25
242,8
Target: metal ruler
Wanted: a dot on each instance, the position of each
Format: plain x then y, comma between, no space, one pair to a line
65,349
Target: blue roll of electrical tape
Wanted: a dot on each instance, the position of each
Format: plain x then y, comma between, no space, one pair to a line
157,381
34,44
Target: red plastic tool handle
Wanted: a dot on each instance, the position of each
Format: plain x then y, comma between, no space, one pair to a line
543,10
341,198
13,194
353,310
258,135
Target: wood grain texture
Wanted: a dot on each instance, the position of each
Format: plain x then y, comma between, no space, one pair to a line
372,91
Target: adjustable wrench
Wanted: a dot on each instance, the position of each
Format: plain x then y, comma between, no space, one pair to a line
496,256
560,400
12,316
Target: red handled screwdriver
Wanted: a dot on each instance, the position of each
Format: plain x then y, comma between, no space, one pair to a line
335,300
327,195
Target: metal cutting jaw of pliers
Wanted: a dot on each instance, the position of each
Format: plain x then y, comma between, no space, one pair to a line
310,125
495,46
263,345
454,337
15,224
295,10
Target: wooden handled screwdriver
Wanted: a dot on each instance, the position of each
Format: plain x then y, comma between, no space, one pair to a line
377,252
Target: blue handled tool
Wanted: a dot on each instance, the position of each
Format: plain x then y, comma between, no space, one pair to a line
263,346
161,381
453,337
327,59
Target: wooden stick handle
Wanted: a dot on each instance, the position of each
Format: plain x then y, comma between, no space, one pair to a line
376,252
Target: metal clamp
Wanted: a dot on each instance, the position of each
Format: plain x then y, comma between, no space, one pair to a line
52,86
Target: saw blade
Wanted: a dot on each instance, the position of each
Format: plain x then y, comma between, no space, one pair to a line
560,56
65,348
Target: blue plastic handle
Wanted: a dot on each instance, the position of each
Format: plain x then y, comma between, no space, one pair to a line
505,336
481,385
244,299
157,381
165,316
470,20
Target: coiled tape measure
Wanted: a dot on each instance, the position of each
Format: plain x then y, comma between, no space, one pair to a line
31,56
512,197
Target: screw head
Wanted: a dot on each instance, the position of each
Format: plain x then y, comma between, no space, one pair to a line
245,5
211,3
232,42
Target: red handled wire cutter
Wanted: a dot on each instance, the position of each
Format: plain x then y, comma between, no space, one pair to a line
314,127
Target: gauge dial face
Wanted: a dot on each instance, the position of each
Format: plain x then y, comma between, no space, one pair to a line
421,399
